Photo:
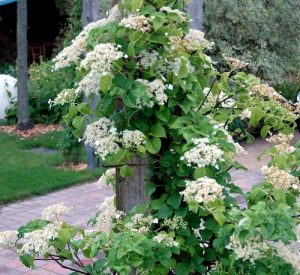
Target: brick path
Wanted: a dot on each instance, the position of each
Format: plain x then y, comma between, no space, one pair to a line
83,199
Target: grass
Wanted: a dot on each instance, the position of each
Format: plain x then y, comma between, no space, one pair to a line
24,173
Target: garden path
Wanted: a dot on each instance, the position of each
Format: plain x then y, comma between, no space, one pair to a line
84,199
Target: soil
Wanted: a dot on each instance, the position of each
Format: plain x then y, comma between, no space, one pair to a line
37,130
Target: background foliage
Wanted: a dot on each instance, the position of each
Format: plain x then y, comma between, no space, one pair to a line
265,32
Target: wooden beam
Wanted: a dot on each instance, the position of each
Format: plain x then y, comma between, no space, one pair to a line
195,9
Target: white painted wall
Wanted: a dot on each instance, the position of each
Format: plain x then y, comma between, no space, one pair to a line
8,92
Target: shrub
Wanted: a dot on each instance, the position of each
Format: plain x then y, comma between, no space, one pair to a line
262,32
9,69
44,85
162,99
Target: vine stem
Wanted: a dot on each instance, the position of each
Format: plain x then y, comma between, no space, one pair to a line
66,267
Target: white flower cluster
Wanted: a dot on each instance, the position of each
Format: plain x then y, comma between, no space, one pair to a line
141,224
54,212
103,137
202,190
280,178
180,13
193,41
288,253
252,250
176,223
8,239
73,52
136,22
107,211
146,59
99,62
38,242
234,63
203,153
108,177
65,96
282,142
165,239
101,58
246,114
156,90
266,91
132,139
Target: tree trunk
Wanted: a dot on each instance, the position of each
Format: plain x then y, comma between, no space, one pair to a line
195,9
131,191
90,13
24,121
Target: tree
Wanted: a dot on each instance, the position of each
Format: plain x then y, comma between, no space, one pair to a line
195,9
24,121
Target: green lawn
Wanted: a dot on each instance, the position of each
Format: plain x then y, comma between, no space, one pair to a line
24,173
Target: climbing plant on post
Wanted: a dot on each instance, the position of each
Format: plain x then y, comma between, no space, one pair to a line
163,100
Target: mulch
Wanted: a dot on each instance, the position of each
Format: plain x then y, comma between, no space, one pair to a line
37,130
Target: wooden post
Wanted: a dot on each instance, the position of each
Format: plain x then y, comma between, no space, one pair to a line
131,191
195,9
90,13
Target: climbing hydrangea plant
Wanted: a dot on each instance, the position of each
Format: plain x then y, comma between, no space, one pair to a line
163,99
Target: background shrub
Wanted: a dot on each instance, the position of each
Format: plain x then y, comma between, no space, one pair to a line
265,32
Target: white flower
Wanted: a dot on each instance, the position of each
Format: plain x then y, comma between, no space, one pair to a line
175,223
253,249
202,190
136,22
235,63
156,90
103,137
282,142
107,211
65,96
165,239
55,211
38,242
180,13
280,178
132,139
147,59
8,239
203,153
246,114
141,224
170,87
108,177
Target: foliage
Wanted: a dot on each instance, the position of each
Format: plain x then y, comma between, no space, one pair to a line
263,33
162,98
43,86
8,69
289,89
26,173
72,148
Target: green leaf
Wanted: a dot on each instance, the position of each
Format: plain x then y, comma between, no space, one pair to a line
163,115
199,173
153,145
126,171
180,123
27,260
64,235
183,268
265,130
174,200
256,115
136,4
219,217
105,83
158,131
78,122
164,211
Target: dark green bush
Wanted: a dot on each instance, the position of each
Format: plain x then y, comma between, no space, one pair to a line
261,31
289,90
44,84
9,69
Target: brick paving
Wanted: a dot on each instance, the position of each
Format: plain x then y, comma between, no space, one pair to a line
84,199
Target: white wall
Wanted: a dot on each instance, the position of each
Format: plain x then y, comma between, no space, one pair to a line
8,92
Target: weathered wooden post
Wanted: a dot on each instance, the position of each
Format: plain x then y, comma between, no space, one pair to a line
195,9
131,191
90,13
